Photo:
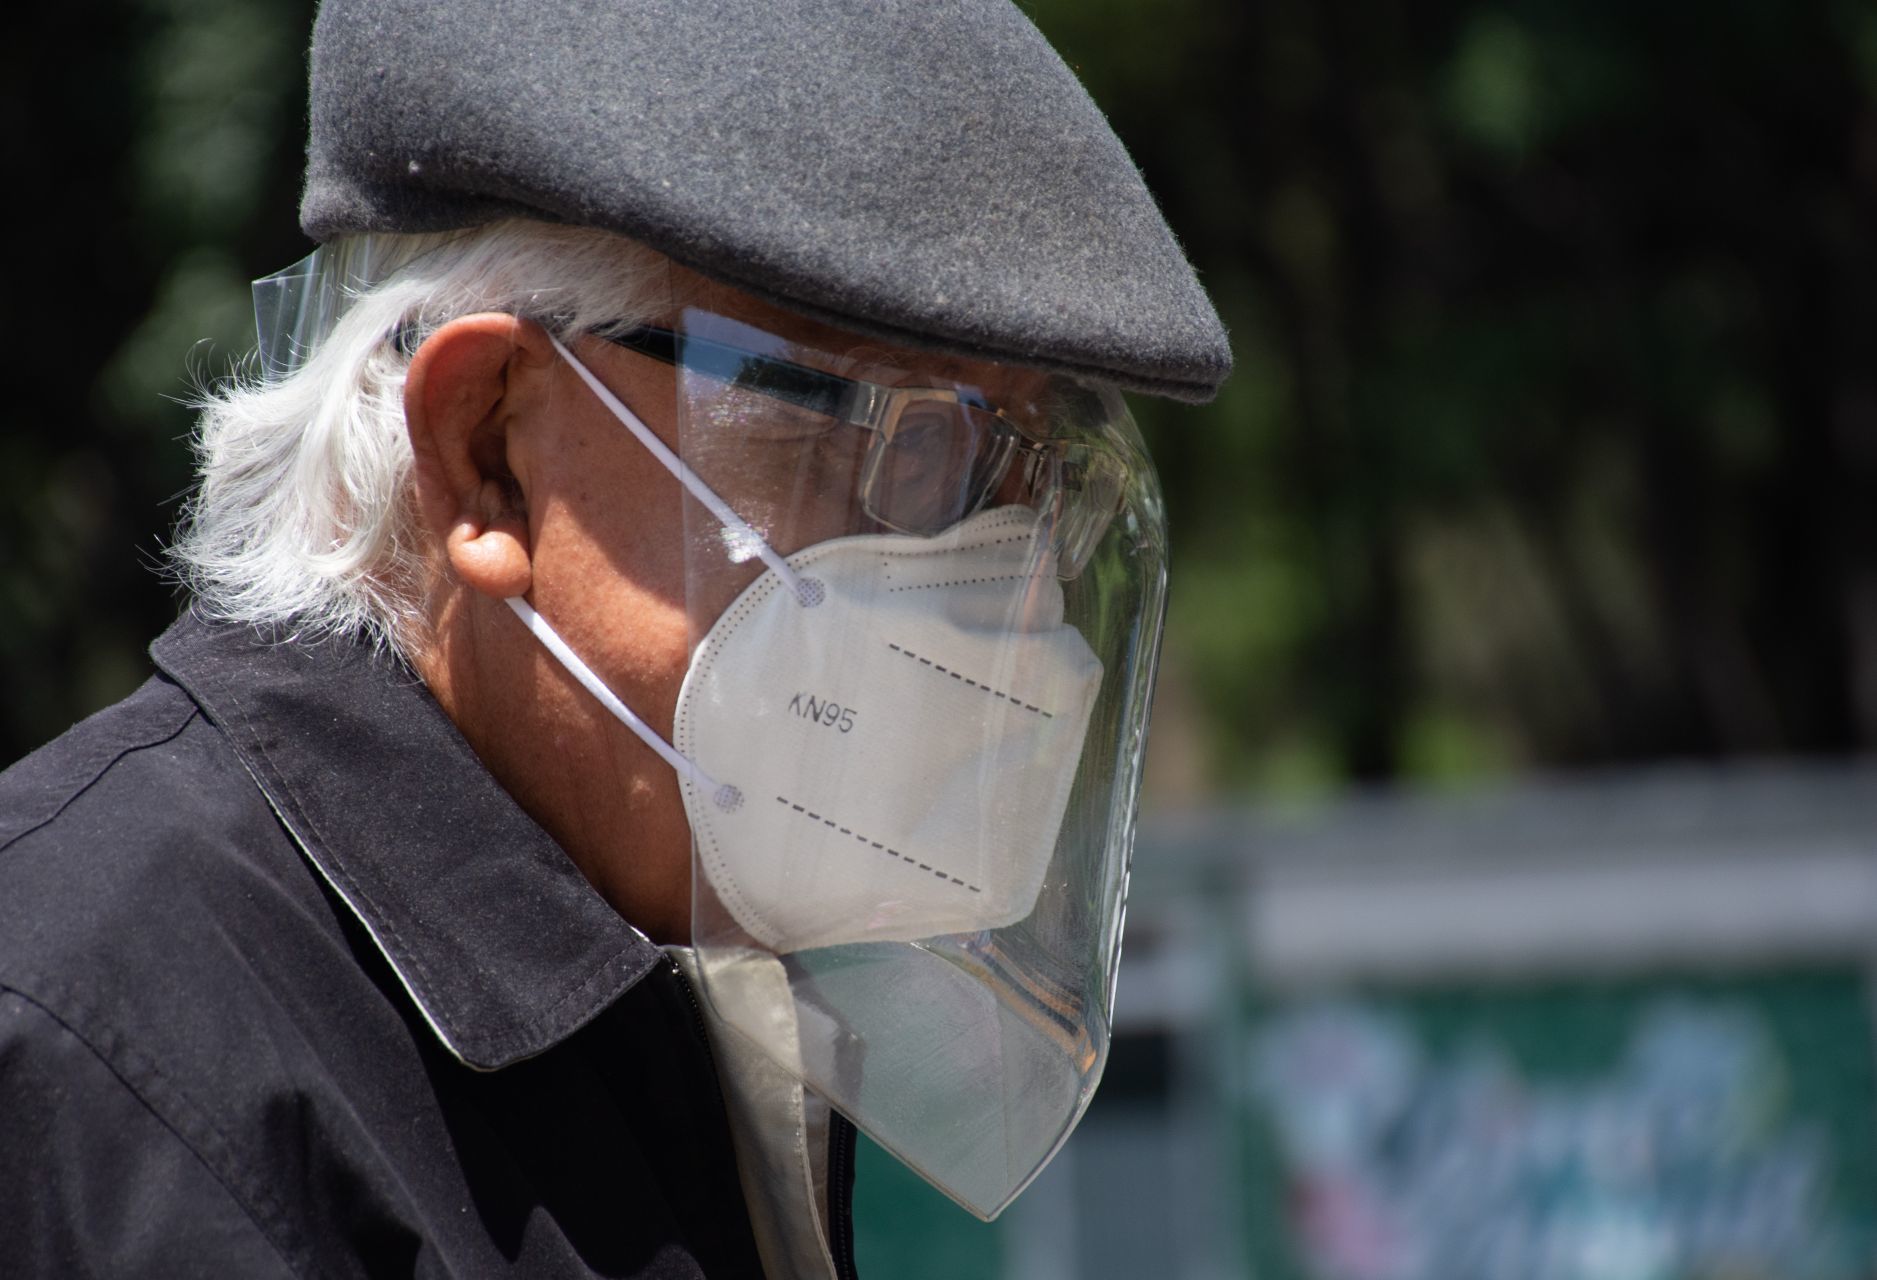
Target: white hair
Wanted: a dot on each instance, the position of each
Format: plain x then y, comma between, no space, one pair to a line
304,518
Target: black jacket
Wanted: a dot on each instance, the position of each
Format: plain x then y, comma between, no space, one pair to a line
290,986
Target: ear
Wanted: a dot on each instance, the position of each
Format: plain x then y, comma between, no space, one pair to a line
462,400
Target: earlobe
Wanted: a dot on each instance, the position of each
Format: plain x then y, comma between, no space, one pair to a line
462,403
489,551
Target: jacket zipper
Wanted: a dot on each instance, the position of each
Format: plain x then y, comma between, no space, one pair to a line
703,1034
842,1138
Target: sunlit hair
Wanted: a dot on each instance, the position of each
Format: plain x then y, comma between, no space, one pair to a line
304,519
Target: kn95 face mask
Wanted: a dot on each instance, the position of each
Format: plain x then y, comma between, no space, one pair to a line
953,699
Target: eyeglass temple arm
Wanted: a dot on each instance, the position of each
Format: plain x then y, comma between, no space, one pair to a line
843,399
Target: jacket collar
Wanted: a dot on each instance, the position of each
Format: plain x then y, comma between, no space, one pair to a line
501,943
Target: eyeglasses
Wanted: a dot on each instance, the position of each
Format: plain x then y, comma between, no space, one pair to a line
936,454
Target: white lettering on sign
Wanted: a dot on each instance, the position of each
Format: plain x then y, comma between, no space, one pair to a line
1407,1162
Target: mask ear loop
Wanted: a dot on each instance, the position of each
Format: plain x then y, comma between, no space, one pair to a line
725,797
807,591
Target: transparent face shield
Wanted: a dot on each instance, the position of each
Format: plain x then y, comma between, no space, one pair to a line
925,599
924,642
297,308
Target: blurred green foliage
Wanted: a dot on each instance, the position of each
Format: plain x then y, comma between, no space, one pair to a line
1554,430
155,149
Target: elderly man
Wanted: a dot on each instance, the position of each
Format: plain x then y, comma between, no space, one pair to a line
673,622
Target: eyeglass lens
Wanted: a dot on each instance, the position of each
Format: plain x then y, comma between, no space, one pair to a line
940,461
933,466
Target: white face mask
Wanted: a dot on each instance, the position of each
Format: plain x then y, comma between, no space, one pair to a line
902,750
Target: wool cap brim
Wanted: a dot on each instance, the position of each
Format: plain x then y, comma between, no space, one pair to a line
924,171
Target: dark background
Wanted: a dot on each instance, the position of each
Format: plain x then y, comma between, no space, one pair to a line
1553,436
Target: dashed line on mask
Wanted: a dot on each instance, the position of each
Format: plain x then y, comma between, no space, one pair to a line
832,825
995,693
962,582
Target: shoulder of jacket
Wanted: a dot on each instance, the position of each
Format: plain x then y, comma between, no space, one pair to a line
136,831
80,1113
37,789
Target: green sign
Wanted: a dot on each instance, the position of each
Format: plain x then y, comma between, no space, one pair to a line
1707,1129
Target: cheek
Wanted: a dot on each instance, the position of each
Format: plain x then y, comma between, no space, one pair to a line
609,576
632,634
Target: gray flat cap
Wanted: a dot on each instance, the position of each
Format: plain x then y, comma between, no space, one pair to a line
926,171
